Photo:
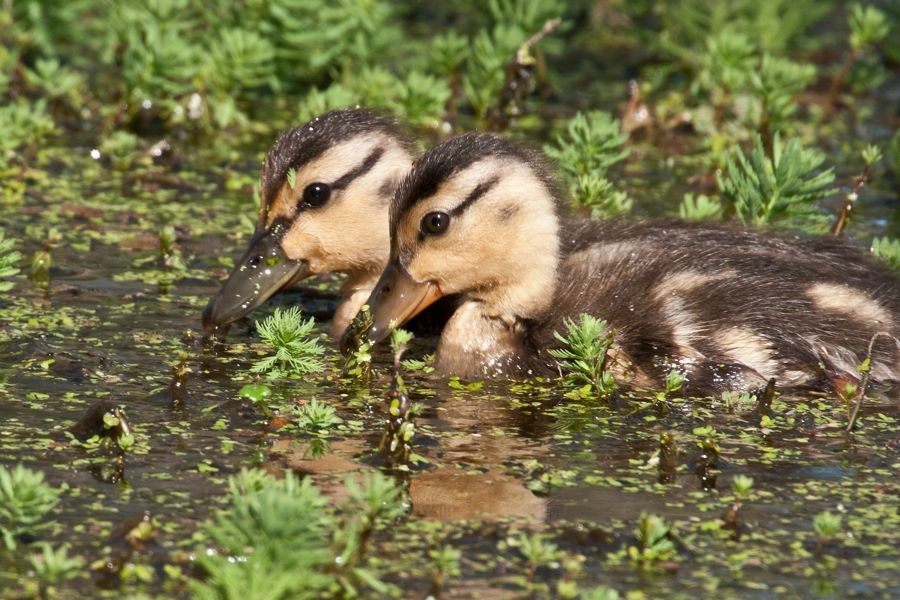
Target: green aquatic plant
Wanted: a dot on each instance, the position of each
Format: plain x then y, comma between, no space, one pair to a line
485,67
868,26
443,563
776,83
583,359
600,593
297,349
725,66
50,568
827,525
255,392
599,197
674,383
9,258
776,25
654,541
272,540
699,208
57,81
741,485
25,499
316,416
359,363
537,549
23,124
509,24
396,440
888,250
169,252
781,188
591,144
372,500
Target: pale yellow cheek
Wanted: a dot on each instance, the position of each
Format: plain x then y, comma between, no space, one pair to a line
302,243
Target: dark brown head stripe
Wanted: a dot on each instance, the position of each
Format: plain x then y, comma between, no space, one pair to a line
480,190
366,166
446,159
297,147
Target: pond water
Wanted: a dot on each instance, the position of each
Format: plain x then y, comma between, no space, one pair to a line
113,324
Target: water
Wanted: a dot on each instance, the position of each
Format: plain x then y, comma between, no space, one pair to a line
113,324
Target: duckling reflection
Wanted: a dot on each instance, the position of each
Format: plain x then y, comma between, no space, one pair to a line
728,308
325,190
474,439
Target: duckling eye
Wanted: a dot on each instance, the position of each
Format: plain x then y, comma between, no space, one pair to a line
316,195
435,223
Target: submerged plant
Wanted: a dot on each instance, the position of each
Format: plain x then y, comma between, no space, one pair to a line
443,563
827,525
782,188
537,550
272,540
52,567
297,350
316,416
396,441
654,541
583,359
9,257
740,486
372,500
24,501
359,364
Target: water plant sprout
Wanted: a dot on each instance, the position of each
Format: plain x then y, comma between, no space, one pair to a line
297,350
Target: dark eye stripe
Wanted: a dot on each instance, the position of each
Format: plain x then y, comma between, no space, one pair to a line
480,190
366,166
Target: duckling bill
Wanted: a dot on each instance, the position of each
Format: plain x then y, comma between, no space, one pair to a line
325,190
727,308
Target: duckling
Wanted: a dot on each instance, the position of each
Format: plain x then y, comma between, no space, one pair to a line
728,308
325,190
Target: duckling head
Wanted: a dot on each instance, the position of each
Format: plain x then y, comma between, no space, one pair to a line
477,216
325,192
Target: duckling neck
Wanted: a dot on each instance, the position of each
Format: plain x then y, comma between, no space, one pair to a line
475,344
354,293
486,336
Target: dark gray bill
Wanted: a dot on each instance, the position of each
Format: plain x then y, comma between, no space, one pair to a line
396,299
262,271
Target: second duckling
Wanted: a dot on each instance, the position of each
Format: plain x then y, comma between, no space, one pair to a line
728,308
325,189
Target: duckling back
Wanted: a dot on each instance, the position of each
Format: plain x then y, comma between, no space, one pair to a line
727,307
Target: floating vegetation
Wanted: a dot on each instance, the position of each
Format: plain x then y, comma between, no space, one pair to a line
583,359
297,349
25,500
9,257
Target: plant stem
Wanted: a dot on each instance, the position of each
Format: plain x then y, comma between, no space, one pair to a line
837,230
